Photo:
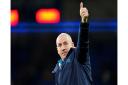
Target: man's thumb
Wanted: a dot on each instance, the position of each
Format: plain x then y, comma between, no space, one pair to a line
81,5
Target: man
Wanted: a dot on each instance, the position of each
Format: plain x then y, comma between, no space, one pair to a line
74,66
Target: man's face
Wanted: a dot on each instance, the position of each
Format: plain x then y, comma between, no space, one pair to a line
64,43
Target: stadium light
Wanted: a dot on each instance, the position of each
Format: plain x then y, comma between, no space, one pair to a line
14,17
46,16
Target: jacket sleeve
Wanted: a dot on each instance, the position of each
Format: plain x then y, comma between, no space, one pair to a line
83,44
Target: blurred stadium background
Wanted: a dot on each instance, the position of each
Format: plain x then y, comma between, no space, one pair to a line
33,38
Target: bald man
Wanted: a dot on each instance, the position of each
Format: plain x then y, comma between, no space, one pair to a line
74,66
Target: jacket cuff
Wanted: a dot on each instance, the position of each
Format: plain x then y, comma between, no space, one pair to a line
84,25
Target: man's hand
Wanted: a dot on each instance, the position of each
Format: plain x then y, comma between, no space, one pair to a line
83,13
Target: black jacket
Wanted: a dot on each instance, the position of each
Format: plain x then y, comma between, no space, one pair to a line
76,68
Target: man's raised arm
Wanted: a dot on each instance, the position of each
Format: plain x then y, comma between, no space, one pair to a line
82,44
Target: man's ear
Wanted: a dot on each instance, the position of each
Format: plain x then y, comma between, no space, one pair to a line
73,45
57,48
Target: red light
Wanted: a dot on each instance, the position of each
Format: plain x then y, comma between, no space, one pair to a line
48,16
14,17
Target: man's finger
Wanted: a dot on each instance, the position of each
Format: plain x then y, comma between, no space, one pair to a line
81,5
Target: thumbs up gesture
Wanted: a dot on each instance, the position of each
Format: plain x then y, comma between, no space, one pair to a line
83,13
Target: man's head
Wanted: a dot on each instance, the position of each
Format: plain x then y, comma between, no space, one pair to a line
64,43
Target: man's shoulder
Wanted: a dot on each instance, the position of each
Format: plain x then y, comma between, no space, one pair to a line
55,68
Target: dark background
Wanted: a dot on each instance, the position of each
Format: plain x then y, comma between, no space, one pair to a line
34,54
